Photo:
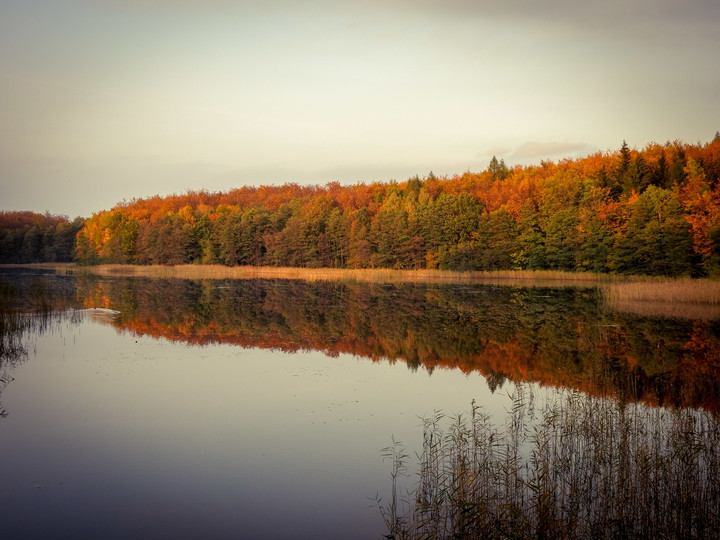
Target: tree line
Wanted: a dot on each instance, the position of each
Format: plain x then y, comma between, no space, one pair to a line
652,211
29,237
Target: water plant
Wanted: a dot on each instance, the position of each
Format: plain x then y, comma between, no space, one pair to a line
28,307
580,467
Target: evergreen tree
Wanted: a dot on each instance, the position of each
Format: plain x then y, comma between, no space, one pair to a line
359,244
128,235
609,181
657,238
530,240
496,241
206,251
623,164
561,239
593,247
230,233
660,175
637,176
498,169
677,170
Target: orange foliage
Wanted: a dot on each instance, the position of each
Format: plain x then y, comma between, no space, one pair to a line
549,186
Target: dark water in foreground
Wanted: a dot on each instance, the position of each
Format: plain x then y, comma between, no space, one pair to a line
258,409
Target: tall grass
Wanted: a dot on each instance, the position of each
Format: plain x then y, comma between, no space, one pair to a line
690,298
375,275
618,290
644,296
27,310
638,295
581,468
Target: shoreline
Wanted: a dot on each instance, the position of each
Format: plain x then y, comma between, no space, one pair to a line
373,275
641,295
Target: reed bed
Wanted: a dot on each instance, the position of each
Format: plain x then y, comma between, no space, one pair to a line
26,312
374,275
683,297
639,295
17,331
580,468
687,290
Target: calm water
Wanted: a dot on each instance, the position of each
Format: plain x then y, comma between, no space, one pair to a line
259,409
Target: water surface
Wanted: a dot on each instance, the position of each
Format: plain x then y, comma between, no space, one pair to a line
259,408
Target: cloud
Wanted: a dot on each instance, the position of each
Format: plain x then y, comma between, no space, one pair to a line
494,151
532,149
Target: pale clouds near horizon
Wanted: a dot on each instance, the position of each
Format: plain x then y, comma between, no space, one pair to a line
109,100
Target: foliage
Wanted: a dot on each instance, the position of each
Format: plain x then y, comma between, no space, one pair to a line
652,211
559,337
27,237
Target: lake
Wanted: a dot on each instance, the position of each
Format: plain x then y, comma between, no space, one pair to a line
140,407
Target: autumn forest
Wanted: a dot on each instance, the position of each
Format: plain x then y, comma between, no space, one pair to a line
654,211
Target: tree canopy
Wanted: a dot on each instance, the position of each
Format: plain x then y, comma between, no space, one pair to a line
649,211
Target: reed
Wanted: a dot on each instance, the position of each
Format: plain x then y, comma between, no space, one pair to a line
580,468
27,309
683,297
686,290
375,275
640,295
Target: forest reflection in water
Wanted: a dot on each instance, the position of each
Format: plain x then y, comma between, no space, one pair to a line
564,337
546,471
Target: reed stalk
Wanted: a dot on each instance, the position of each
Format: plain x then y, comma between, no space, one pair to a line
373,275
584,468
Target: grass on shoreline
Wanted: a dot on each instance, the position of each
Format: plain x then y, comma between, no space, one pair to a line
699,291
643,295
379,275
682,297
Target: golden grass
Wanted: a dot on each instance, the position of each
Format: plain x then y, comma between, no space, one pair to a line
697,291
682,297
376,275
640,295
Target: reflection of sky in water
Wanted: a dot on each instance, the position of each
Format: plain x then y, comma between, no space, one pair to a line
113,434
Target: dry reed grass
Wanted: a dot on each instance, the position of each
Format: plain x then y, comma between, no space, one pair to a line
683,297
581,468
697,291
644,296
375,275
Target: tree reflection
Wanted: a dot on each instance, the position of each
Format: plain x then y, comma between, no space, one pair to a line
561,337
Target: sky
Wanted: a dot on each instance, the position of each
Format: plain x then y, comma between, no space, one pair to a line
103,101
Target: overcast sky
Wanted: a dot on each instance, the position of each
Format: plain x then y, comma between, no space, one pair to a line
105,100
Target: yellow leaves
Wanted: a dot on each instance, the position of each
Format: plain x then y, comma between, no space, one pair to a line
186,214
432,260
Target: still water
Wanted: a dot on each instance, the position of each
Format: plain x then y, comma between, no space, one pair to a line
259,409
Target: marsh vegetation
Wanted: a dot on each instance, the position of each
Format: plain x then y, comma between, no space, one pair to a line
576,467
642,295
612,429
28,308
